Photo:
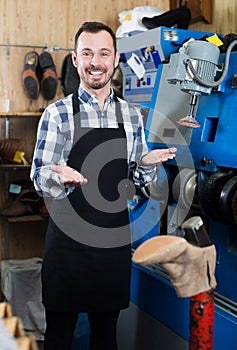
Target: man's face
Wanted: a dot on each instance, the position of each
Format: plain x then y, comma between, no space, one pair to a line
95,59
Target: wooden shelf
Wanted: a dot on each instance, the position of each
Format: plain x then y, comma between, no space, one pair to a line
201,10
20,114
26,218
16,238
7,167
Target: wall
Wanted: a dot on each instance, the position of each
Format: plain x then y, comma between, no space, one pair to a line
224,18
50,23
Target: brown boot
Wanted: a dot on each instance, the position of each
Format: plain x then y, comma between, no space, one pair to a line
9,147
191,269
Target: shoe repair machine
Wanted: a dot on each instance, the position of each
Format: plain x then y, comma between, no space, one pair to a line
186,87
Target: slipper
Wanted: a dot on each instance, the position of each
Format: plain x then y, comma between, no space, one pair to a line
29,76
49,80
70,77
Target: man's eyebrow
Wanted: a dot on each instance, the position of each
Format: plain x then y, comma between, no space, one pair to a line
105,49
102,49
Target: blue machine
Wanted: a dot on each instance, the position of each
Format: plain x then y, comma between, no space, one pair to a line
202,180
149,49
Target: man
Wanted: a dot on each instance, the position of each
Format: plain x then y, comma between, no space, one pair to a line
85,145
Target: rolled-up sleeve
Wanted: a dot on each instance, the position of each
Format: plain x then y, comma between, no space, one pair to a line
52,147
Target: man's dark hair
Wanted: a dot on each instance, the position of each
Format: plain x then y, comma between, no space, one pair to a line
94,27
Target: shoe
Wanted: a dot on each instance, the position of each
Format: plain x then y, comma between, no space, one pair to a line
17,208
70,77
29,75
9,149
181,17
49,81
117,82
191,269
26,203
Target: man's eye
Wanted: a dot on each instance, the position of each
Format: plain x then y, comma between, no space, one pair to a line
105,54
86,54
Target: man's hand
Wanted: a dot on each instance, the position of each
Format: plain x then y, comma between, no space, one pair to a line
158,156
69,176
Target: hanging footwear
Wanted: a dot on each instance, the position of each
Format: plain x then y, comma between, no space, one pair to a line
181,17
29,75
49,80
70,77
117,82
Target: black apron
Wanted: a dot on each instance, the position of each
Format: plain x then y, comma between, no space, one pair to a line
87,262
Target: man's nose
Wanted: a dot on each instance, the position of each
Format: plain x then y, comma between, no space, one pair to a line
95,60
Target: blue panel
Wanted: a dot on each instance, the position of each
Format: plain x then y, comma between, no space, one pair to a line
157,297
222,106
225,331
144,220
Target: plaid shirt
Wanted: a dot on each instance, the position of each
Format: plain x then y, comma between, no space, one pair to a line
55,139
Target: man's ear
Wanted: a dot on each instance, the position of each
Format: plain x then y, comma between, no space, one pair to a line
74,59
116,61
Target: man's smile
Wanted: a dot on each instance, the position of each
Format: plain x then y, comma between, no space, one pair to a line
92,72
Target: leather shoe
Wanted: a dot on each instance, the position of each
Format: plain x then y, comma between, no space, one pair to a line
29,75
9,147
49,81
26,203
70,77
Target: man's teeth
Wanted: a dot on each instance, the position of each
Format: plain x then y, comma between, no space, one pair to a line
96,73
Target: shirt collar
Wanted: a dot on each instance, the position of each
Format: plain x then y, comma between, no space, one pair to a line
86,97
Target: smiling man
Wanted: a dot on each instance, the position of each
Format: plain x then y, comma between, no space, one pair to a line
86,143
95,63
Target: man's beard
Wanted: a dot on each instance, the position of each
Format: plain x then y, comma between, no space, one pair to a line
96,85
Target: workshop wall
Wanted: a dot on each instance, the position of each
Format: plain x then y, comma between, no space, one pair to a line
224,18
53,24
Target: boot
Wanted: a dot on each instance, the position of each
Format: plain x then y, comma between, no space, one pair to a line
191,269
9,147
